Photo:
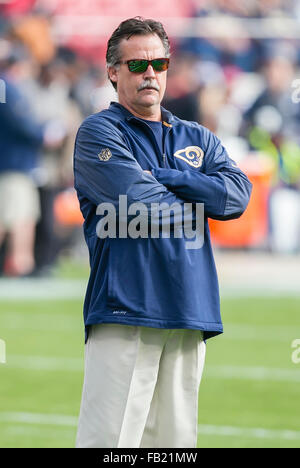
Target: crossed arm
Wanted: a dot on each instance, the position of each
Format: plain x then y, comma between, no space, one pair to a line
222,187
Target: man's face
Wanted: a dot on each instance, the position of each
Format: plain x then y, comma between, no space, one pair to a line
129,84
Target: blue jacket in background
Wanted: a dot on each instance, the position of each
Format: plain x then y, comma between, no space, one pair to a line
20,135
146,281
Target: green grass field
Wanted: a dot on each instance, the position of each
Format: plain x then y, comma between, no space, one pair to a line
249,396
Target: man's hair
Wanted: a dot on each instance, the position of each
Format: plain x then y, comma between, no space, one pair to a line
132,27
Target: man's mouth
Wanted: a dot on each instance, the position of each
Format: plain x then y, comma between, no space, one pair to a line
149,88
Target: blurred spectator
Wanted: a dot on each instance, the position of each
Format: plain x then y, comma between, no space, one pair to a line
20,139
91,88
60,115
182,89
272,124
34,31
244,8
241,52
275,113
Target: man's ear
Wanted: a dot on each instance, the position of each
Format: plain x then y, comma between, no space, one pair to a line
113,74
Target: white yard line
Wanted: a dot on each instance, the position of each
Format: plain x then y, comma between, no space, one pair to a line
277,333
39,321
254,373
43,363
259,290
38,431
56,289
41,289
231,431
38,418
249,432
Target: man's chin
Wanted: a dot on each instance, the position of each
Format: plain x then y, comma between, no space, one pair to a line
149,101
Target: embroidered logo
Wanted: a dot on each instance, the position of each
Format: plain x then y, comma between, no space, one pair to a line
105,154
193,155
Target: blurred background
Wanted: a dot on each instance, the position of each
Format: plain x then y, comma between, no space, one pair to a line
235,68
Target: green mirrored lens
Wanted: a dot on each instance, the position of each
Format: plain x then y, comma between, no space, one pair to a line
160,65
138,66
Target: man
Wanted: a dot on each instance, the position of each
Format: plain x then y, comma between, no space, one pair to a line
151,302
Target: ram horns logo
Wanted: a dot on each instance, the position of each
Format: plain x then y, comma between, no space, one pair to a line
105,154
193,155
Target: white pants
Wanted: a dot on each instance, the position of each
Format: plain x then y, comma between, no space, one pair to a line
140,387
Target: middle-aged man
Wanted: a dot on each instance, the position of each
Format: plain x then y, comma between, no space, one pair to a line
151,302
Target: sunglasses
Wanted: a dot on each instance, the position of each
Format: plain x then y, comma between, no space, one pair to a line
141,65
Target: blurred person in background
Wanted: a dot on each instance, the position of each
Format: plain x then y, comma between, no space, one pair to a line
21,137
272,126
267,8
21,140
102,93
88,84
244,8
279,71
241,51
34,31
59,114
183,88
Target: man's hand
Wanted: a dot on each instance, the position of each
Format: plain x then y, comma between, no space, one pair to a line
149,172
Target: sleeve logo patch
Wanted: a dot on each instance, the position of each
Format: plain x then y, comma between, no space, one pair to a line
192,155
105,154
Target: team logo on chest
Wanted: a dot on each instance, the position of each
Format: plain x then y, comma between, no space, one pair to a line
105,154
192,155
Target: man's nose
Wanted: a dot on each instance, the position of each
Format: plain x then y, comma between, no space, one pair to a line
149,73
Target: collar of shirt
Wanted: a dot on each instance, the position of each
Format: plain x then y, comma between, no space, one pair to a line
167,117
